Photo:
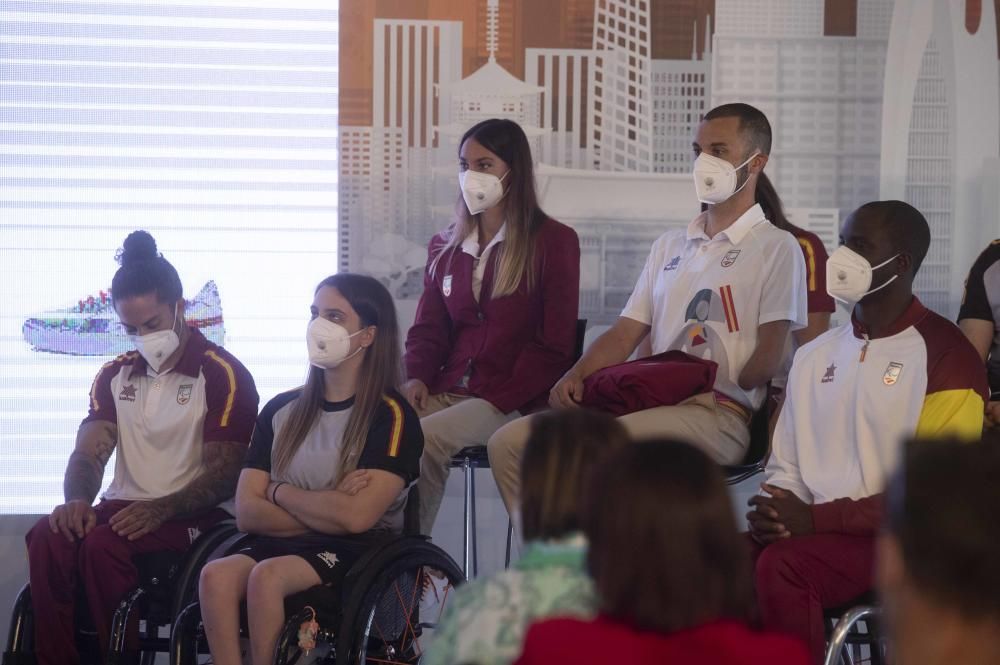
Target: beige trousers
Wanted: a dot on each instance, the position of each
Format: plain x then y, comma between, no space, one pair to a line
698,420
450,423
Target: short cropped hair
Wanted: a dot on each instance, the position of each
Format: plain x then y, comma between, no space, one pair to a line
905,224
943,507
753,124
563,450
664,550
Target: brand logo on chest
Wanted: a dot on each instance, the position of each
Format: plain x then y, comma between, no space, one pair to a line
829,376
672,264
127,394
730,258
184,393
891,375
446,286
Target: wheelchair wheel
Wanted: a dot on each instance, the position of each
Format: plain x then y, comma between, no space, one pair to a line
393,616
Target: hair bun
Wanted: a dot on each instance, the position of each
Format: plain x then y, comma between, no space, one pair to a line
138,246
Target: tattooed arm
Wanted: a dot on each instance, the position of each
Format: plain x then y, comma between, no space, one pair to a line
95,441
221,464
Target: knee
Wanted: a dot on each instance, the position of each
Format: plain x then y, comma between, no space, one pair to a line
506,443
777,566
103,543
265,581
217,579
41,538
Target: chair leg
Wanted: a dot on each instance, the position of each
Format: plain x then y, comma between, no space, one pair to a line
467,534
510,538
473,537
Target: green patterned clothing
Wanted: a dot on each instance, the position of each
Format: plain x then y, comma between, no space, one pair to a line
485,622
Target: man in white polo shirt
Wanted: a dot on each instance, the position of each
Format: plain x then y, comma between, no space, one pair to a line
729,288
179,412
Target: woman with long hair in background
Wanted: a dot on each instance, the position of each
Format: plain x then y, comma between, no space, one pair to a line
495,326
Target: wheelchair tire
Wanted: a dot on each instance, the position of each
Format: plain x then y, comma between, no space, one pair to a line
380,585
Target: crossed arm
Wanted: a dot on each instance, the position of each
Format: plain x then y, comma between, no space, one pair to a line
281,509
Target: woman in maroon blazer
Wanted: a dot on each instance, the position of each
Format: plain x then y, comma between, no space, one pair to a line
495,327
672,573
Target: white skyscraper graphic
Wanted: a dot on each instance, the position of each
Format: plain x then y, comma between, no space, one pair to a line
412,58
622,127
680,94
941,130
566,77
823,96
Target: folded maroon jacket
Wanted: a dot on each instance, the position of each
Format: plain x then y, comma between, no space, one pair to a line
661,380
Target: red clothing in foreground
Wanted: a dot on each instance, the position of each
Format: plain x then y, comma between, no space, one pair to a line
509,350
603,641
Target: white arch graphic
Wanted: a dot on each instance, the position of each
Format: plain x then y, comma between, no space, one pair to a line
971,73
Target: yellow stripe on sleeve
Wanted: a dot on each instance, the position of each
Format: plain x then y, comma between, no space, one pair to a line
397,426
94,404
957,413
224,421
810,262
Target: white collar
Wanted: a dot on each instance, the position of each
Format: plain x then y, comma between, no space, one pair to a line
471,243
735,232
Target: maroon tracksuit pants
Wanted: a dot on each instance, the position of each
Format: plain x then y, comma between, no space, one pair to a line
102,564
797,578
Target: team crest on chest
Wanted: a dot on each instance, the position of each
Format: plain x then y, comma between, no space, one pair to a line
446,286
892,373
184,393
127,394
730,258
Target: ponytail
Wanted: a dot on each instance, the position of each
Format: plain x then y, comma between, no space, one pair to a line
768,199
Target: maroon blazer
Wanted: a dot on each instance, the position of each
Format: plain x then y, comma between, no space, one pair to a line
515,347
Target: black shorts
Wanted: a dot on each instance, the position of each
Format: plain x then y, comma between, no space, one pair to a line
330,556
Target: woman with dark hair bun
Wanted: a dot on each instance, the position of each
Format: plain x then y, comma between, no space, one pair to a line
671,571
178,413
495,327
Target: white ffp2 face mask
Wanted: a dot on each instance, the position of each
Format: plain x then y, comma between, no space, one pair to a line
849,275
157,346
715,178
481,191
329,343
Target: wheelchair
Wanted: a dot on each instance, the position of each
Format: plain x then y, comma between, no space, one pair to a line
167,583
854,634
385,612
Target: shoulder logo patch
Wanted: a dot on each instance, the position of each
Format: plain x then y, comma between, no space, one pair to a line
127,394
446,286
730,258
891,375
184,393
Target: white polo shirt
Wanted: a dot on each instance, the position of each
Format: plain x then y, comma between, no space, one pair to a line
707,296
165,419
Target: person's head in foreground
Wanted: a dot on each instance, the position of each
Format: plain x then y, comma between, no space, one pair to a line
665,553
671,571
563,450
939,558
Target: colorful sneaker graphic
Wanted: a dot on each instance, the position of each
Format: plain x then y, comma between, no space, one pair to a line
91,327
